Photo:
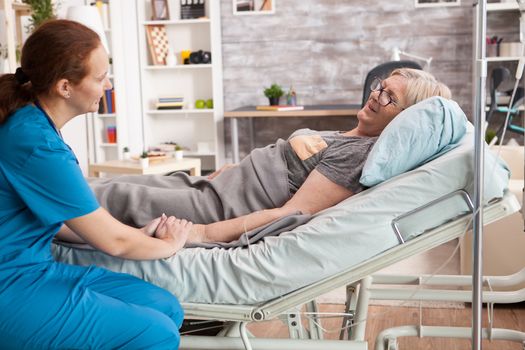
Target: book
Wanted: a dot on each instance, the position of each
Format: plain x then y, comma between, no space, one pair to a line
279,108
103,105
109,107
169,107
113,106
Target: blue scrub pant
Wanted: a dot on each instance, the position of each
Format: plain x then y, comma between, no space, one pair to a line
74,307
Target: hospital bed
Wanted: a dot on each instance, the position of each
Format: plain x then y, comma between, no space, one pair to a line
340,246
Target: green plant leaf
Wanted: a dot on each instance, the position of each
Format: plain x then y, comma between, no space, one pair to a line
41,11
275,90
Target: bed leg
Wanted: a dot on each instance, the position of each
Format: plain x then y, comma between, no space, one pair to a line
295,327
361,312
316,332
350,305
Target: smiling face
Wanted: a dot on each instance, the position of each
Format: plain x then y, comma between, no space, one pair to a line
374,117
85,96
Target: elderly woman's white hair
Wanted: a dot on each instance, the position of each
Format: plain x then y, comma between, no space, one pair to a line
421,85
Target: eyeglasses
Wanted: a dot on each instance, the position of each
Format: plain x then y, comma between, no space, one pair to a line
384,98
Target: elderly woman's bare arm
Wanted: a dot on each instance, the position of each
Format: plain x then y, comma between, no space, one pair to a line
316,193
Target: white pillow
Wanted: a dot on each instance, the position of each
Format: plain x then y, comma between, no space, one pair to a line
417,135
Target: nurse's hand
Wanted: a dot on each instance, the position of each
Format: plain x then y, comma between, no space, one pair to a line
174,231
220,171
151,227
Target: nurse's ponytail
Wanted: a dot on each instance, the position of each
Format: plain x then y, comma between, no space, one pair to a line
15,92
58,49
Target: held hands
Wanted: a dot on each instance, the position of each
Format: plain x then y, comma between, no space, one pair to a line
169,229
151,227
220,171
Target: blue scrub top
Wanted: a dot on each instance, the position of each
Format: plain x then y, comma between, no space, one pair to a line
41,186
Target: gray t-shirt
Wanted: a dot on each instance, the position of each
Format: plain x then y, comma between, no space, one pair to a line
340,158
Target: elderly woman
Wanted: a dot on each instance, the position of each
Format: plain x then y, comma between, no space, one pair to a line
307,173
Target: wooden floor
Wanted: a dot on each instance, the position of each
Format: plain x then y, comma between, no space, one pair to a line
381,317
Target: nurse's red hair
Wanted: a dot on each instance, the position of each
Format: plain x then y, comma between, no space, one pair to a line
58,49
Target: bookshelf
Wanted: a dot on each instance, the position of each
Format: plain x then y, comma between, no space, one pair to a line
504,23
13,13
104,144
199,130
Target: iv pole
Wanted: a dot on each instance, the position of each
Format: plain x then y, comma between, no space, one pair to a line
480,74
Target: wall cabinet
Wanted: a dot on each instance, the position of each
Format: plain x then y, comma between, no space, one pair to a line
198,130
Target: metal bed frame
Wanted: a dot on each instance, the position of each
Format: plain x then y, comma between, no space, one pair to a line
359,282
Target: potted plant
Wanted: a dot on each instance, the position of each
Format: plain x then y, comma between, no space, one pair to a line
144,160
274,93
41,11
125,153
179,153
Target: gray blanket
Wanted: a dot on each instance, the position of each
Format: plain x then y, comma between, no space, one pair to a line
260,181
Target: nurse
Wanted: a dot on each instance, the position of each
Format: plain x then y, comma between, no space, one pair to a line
45,304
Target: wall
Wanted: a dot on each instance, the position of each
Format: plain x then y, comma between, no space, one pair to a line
325,48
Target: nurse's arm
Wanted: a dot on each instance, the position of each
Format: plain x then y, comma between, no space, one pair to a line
102,231
65,234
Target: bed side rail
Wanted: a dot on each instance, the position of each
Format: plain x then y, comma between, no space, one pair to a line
426,213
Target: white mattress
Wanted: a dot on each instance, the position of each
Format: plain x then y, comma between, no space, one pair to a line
338,237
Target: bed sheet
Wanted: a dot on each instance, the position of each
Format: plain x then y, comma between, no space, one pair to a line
334,239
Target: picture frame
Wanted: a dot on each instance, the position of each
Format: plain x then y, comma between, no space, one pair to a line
158,44
253,7
159,10
436,3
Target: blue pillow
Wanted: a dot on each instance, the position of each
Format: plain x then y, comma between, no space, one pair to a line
417,135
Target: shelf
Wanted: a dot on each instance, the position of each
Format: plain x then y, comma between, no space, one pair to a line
107,115
178,22
503,6
105,144
189,126
179,111
180,66
502,58
197,154
520,108
23,8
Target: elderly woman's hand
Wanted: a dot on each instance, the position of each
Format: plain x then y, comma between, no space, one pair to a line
174,231
220,171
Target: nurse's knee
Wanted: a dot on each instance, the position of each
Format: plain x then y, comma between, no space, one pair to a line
170,305
176,312
164,334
